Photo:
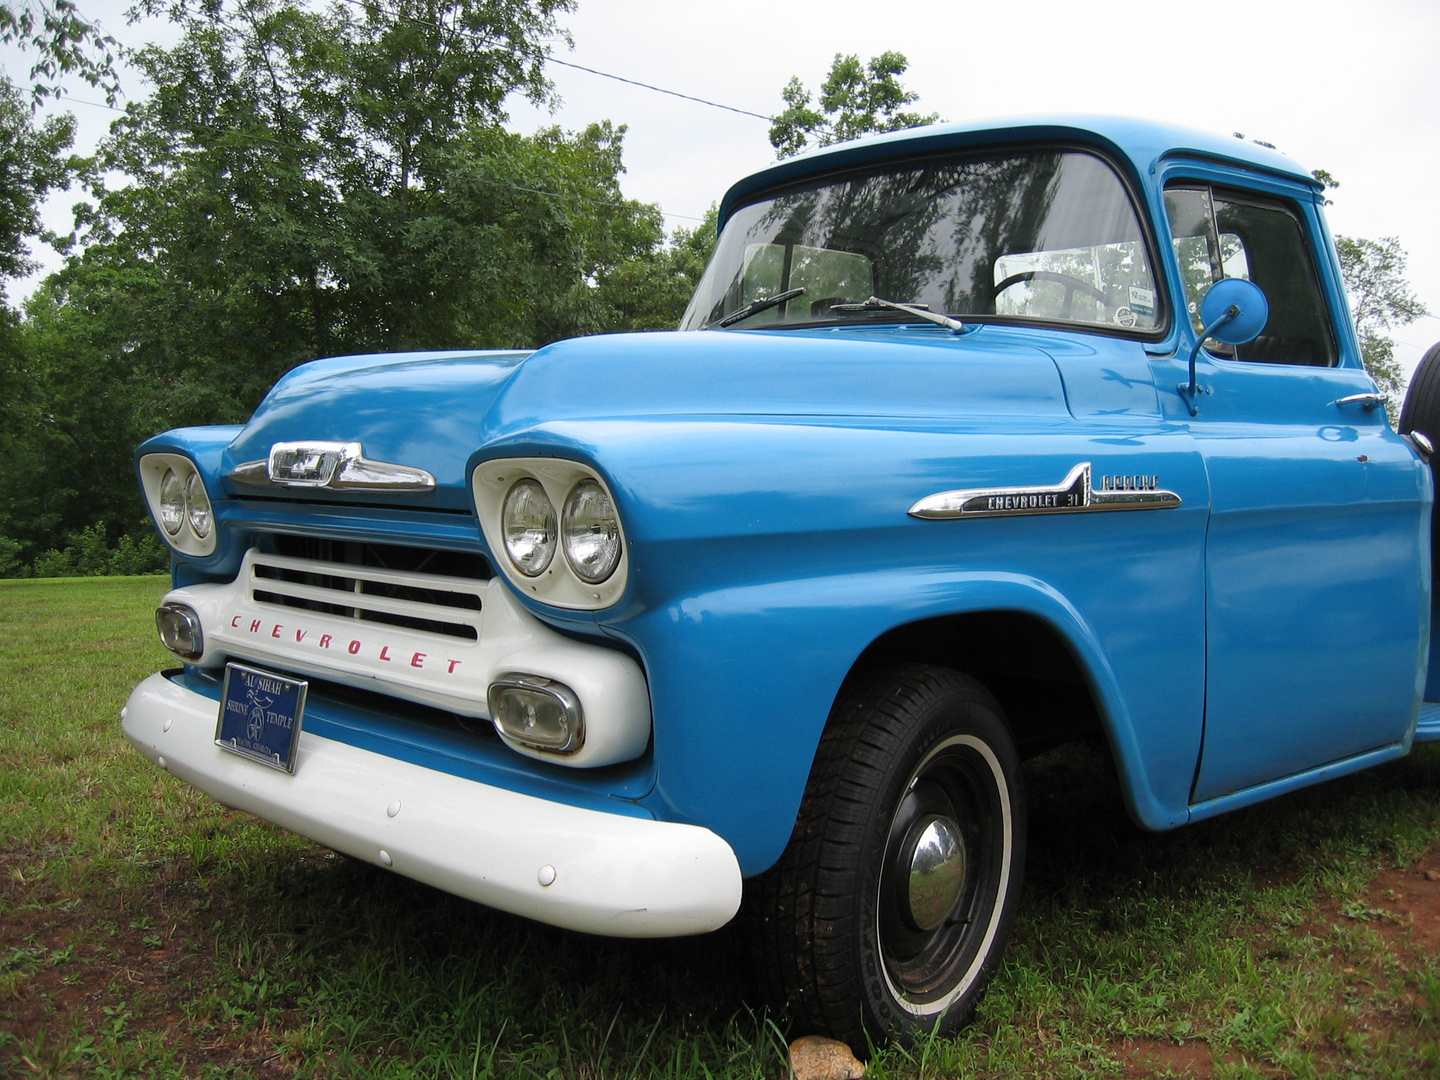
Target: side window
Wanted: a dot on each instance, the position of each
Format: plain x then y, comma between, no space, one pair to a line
1218,235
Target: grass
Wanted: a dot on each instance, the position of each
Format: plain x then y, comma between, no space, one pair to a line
144,930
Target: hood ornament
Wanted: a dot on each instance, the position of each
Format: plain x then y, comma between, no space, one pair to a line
332,465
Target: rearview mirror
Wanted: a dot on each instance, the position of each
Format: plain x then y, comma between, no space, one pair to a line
1233,311
1252,311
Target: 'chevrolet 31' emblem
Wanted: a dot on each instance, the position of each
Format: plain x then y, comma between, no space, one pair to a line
332,465
1075,494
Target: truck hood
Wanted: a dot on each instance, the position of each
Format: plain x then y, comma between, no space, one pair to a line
436,410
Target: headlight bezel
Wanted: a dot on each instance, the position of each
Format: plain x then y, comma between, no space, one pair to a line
195,502
559,584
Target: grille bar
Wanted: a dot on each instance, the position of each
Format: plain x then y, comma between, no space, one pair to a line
427,602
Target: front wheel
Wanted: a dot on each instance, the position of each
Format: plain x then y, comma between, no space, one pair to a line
892,904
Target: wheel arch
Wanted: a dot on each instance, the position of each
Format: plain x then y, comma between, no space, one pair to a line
998,638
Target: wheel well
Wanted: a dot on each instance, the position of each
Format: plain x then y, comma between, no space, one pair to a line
1021,659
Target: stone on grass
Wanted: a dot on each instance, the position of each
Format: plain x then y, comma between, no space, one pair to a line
815,1057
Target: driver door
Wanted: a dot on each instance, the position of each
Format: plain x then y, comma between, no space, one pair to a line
1316,554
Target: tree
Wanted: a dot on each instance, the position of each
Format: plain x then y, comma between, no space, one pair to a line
1380,298
332,181
854,99
64,43
651,291
33,162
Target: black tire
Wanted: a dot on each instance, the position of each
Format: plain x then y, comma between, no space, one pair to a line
913,758
1421,412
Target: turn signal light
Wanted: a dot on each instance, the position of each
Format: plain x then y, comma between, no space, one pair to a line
537,712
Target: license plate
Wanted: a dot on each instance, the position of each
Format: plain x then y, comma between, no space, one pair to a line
260,715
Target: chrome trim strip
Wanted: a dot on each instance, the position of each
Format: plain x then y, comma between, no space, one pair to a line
331,465
1075,494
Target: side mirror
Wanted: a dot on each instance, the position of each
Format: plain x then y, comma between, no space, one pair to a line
1233,311
1251,311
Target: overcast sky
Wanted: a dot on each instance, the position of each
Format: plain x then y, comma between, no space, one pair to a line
1347,86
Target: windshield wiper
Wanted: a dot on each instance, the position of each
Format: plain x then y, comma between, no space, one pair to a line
755,307
874,303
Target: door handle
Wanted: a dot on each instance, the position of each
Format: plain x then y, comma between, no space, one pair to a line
1366,401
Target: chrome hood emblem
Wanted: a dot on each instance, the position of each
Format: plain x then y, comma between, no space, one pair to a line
330,465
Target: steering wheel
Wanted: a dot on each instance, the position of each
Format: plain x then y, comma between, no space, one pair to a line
1072,285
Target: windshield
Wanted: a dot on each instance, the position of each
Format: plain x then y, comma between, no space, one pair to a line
1048,235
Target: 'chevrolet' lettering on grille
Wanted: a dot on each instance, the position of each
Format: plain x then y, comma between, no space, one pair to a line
1075,494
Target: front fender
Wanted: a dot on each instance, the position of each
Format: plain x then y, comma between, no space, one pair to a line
743,679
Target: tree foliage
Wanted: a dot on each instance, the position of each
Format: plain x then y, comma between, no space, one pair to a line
1380,299
855,99
34,161
63,42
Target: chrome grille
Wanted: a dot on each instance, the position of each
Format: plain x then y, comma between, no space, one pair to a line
427,602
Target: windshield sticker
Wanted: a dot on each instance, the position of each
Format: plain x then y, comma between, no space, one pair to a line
1142,301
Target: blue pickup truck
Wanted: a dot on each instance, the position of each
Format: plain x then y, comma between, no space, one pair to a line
974,441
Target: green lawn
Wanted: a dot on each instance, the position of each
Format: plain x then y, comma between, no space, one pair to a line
146,931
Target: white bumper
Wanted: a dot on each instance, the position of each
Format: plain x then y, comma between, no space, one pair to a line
614,875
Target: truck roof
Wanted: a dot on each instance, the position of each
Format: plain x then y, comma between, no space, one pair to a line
1140,142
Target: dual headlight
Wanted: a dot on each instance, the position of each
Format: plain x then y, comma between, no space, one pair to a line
588,533
573,556
178,500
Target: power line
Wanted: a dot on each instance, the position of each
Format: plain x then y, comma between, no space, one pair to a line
660,89
81,101
363,6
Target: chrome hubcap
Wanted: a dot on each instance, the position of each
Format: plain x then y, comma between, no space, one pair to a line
937,871
943,874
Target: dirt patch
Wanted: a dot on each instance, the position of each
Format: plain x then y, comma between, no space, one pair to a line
1148,1057
75,966
1401,905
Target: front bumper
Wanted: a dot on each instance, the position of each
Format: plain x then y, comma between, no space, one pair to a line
614,875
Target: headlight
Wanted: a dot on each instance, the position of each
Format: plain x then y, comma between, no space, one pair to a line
197,506
528,523
172,503
590,532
